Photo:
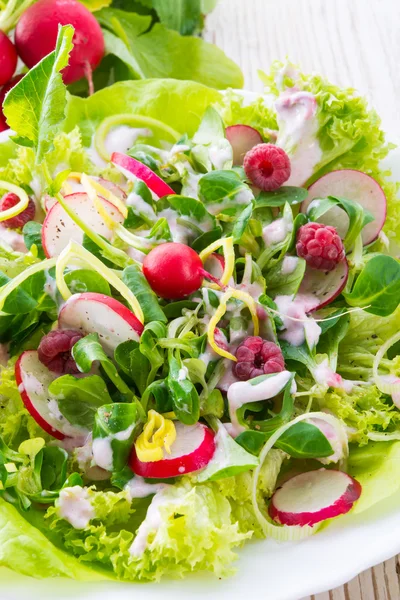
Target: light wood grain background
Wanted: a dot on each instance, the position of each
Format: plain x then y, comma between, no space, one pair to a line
355,43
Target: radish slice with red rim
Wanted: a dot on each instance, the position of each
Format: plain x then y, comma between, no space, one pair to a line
215,264
352,185
242,138
312,497
91,312
133,169
325,286
59,229
33,379
192,450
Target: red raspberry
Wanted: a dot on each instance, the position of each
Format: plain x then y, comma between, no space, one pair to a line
8,201
320,245
267,166
256,356
55,351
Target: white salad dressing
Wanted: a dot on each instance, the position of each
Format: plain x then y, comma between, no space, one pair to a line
296,332
242,392
137,487
289,265
298,125
140,205
221,154
119,139
244,196
13,239
183,374
151,523
75,506
102,448
275,232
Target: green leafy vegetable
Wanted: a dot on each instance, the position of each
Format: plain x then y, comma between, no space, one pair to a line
137,283
279,197
116,424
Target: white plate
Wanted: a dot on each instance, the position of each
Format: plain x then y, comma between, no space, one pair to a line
266,569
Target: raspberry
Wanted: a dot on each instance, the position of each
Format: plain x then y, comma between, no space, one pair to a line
267,166
256,356
8,201
320,245
55,351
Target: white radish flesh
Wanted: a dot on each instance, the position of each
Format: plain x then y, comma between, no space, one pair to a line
324,285
59,229
96,313
33,379
313,497
242,138
352,185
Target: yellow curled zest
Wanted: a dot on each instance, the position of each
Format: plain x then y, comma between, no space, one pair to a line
101,209
229,255
158,434
221,310
92,186
13,284
18,208
75,250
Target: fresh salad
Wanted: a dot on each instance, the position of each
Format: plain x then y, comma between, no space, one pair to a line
199,320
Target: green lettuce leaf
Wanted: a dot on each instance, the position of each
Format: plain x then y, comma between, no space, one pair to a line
180,104
235,109
160,52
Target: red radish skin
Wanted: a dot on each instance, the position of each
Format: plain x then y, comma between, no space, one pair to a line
175,465
316,489
37,29
4,90
133,169
174,270
326,286
352,185
8,58
58,227
91,312
242,138
33,379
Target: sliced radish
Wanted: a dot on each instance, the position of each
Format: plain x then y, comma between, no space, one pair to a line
352,185
192,450
33,379
96,313
215,264
325,286
242,138
133,169
115,189
314,496
58,227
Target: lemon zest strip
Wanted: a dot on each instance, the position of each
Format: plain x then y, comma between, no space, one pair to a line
221,310
158,433
18,208
229,255
73,249
92,186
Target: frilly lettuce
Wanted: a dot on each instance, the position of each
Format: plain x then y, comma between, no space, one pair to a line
197,532
235,108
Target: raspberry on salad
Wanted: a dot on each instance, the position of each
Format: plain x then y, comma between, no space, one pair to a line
256,356
55,351
267,166
320,245
8,201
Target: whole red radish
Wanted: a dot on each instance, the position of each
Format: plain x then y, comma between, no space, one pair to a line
8,58
174,271
36,35
6,88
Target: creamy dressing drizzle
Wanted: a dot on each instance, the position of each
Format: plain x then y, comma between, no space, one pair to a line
137,487
13,239
119,139
75,506
296,332
275,232
298,126
289,265
102,448
140,205
242,392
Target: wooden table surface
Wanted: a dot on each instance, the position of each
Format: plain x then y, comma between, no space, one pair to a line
354,43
